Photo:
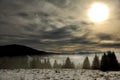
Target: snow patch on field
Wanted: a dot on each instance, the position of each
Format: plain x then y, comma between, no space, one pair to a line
59,74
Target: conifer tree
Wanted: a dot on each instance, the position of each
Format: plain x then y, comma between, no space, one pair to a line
104,62
68,64
55,65
86,63
96,63
109,62
48,63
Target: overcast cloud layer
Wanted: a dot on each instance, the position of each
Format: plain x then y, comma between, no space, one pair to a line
58,25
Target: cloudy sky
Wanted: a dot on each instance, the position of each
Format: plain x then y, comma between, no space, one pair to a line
58,25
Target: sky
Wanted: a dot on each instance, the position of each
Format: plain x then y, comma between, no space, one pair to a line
58,25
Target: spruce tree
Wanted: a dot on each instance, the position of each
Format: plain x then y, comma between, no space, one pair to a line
68,64
104,62
55,65
113,62
48,64
96,63
86,63
109,62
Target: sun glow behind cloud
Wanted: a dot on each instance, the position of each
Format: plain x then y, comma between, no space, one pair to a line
98,12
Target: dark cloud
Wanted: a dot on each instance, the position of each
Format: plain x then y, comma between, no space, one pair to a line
56,2
82,41
30,27
51,25
104,36
22,14
60,3
110,45
31,14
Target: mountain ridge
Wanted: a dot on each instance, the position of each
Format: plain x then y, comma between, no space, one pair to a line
19,50
22,50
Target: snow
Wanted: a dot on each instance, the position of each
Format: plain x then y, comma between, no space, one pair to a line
58,74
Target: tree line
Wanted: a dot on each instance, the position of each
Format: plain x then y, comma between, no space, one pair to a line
45,64
108,62
35,63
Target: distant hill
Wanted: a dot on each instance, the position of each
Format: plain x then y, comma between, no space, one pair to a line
19,50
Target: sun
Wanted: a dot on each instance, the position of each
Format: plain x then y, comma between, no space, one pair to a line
98,12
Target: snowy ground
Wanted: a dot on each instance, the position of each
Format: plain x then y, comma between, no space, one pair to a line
50,74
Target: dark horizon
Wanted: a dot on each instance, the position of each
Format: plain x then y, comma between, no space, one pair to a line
22,50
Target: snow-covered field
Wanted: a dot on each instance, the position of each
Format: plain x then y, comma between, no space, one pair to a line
52,74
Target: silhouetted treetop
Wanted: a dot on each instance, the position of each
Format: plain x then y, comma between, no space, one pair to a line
109,62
